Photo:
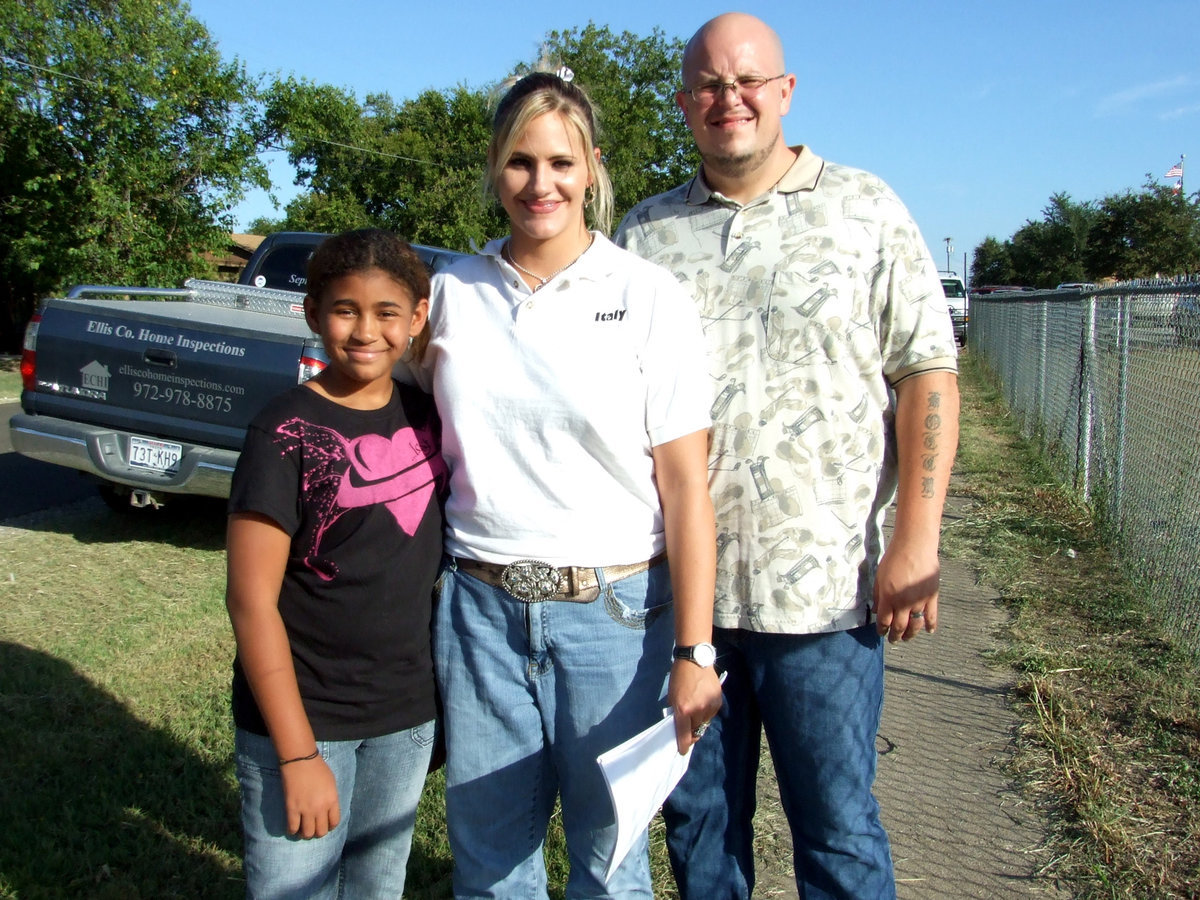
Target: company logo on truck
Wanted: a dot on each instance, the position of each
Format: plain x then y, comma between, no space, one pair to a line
93,379
179,341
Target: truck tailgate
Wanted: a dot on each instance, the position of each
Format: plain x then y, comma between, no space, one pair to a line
163,368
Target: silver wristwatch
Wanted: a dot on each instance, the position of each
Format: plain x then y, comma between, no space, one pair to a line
703,654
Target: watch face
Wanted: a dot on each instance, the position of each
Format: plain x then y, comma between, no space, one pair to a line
704,654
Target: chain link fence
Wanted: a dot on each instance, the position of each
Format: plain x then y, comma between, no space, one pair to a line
1107,380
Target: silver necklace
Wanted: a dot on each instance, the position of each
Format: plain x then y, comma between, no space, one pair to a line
542,282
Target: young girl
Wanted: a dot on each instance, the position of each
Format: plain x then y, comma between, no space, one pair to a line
334,537
572,378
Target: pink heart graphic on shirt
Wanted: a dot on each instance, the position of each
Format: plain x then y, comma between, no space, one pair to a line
399,472
375,456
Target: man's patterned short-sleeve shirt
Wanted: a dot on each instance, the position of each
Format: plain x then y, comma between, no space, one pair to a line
814,299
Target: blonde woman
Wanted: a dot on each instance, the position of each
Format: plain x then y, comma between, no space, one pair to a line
580,543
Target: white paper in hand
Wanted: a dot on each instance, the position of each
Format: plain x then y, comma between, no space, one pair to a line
640,773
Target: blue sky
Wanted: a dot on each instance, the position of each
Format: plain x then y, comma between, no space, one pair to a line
974,112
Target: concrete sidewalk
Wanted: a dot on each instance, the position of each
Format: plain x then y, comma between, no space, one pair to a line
958,825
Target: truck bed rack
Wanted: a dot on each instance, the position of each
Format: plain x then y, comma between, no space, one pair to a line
212,293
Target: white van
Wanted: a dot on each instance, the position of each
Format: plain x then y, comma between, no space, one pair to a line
956,302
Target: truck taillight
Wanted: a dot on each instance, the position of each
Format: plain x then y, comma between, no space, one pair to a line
29,353
310,366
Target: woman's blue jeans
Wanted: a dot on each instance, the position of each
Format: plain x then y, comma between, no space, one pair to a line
533,693
379,783
818,697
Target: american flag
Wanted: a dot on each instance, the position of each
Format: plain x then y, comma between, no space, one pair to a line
1176,171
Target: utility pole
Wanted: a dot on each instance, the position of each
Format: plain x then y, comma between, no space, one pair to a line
949,250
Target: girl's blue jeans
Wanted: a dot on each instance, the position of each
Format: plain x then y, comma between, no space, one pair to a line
379,783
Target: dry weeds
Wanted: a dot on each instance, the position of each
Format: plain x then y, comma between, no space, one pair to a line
1110,743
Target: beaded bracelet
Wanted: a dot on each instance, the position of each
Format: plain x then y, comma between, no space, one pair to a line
313,755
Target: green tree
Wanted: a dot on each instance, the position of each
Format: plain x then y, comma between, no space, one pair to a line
265,225
417,167
123,145
433,192
323,129
40,191
1154,232
991,264
1050,251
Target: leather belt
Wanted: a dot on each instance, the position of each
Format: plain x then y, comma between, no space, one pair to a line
533,581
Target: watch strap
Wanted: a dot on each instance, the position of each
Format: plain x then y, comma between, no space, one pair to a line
707,653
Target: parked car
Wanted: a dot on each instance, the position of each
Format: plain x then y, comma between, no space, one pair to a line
998,289
956,303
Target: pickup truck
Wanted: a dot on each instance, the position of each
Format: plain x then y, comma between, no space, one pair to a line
150,390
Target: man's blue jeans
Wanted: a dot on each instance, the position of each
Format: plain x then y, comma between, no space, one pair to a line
379,782
819,698
533,693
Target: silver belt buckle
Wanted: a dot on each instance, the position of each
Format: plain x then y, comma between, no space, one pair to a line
531,580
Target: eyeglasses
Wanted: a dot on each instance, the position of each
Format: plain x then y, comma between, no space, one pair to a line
743,86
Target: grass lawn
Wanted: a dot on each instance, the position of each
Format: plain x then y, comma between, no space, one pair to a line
115,658
1110,741
114,667
10,379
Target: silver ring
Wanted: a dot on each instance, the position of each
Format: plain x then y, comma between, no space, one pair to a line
916,615
698,731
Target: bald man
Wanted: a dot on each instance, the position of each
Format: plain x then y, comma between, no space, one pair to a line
834,393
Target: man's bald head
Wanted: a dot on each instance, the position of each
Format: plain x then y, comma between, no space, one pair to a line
735,94
731,30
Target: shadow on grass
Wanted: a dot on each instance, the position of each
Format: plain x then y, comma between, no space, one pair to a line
186,522
98,804
27,485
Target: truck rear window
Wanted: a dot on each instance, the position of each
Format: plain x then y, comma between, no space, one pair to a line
285,268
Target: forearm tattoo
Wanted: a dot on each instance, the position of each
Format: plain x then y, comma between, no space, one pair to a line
929,443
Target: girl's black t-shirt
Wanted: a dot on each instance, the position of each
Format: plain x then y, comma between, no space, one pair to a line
360,493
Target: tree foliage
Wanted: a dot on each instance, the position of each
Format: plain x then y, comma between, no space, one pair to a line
123,144
1049,251
1146,234
1150,233
417,167
432,193
991,264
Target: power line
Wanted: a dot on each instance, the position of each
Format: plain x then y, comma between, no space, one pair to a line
57,74
298,139
315,140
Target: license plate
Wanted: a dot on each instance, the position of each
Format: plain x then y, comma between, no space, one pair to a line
159,456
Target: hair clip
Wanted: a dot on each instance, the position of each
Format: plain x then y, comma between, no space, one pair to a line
565,74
